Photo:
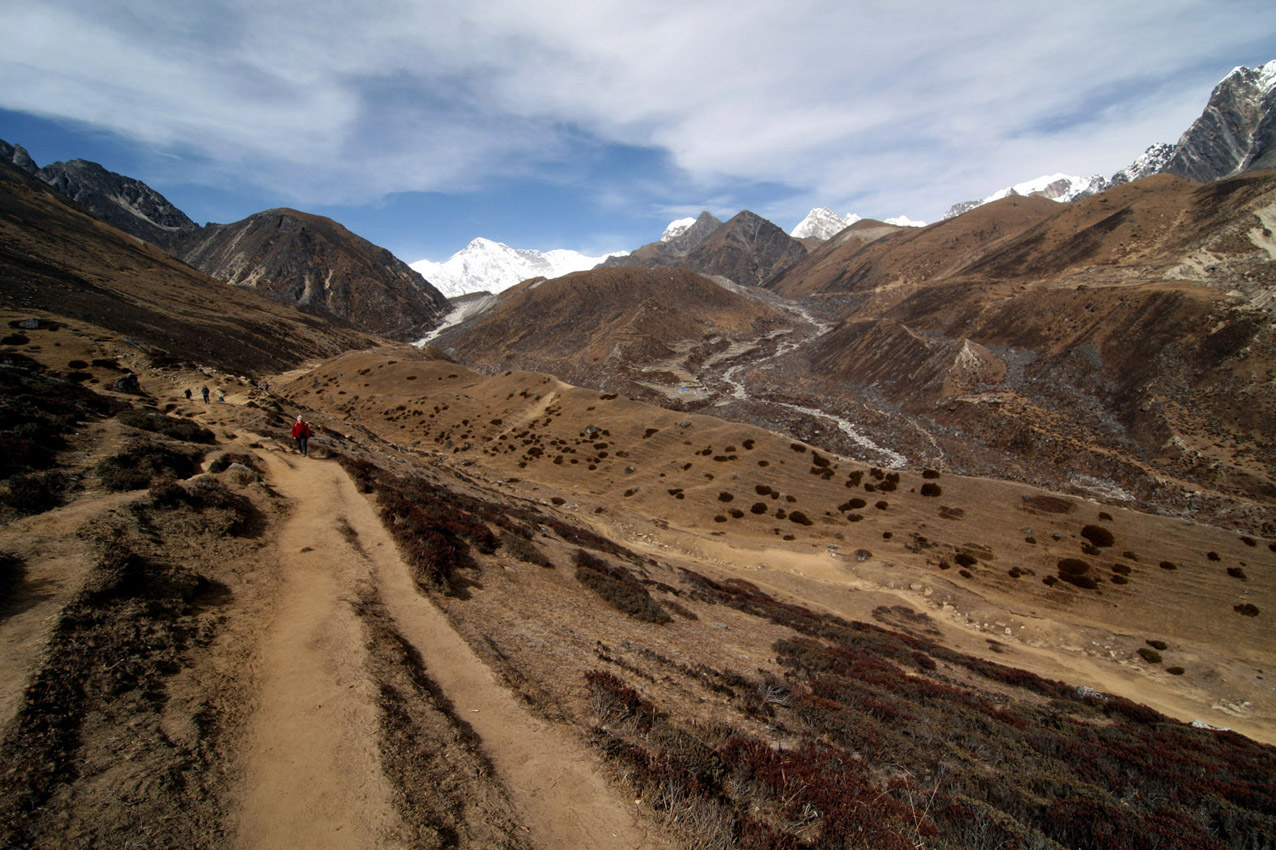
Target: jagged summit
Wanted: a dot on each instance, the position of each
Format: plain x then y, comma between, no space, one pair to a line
124,202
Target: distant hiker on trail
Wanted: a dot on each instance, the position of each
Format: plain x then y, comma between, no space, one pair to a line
301,433
204,392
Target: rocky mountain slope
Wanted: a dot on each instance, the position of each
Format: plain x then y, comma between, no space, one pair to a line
625,329
746,250
123,202
317,264
1235,133
679,238
302,259
57,259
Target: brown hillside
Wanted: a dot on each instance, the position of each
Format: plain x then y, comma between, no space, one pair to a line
317,264
56,259
852,262
613,326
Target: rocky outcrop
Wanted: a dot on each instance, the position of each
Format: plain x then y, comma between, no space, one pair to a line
18,155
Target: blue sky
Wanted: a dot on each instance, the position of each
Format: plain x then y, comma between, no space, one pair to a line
421,125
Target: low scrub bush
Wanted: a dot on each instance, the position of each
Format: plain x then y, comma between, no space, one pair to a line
142,462
1098,535
35,492
174,427
619,588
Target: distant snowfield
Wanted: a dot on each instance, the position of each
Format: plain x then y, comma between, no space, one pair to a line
487,266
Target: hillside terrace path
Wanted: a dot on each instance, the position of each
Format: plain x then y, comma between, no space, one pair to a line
313,776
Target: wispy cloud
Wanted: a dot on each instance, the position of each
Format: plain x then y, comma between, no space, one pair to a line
891,107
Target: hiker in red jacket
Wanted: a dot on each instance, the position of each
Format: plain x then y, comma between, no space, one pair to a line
301,433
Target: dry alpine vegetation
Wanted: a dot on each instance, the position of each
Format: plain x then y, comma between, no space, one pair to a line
508,612
501,610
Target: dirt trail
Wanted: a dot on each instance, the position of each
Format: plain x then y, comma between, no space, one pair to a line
313,773
313,777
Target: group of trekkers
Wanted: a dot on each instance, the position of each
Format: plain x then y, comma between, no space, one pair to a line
300,429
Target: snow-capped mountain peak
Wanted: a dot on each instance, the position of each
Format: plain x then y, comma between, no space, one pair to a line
821,224
676,229
485,265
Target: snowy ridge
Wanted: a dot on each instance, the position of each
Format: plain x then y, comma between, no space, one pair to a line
824,224
1154,160
487,266
1063,188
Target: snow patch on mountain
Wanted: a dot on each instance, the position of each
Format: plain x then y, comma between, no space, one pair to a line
903,221
487,266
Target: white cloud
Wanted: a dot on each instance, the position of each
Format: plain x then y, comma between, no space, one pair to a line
878,106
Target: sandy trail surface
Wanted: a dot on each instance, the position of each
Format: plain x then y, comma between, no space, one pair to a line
313,775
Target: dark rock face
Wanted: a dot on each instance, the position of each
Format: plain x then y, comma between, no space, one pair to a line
317,264
748,249
667,253
1236,132
18,155
120,201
